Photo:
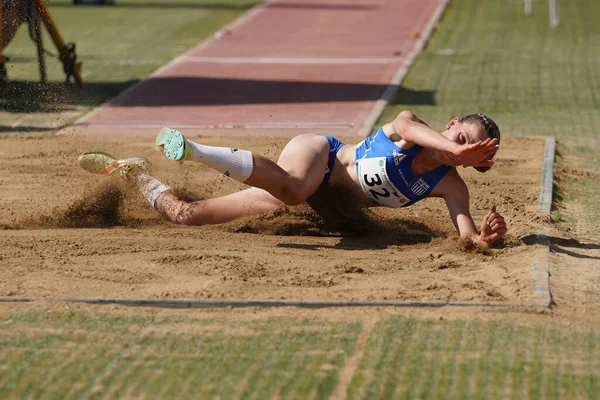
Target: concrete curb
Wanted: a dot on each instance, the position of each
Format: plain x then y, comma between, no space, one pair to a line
545,199
541,264
541,273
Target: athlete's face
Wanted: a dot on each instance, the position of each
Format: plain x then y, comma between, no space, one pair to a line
464,133
461,133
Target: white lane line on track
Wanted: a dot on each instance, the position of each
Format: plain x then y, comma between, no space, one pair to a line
401,73
227,125
288,60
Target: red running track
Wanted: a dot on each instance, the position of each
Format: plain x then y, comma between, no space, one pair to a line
284,68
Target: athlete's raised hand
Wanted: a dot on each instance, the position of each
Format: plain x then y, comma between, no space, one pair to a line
492,227
475,154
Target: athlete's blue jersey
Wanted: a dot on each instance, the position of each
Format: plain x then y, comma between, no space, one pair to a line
385,172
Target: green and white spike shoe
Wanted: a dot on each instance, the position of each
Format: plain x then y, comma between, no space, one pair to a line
174,145
98,162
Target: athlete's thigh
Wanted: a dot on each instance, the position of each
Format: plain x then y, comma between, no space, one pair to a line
305,158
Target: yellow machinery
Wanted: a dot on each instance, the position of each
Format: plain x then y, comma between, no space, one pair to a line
34,11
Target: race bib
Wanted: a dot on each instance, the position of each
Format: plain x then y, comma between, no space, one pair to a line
376,184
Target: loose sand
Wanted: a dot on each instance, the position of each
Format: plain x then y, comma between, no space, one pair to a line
67,233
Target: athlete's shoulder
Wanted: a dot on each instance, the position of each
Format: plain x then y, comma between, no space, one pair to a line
401,125
408,114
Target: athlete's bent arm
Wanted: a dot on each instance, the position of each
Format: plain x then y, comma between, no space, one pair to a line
456,194
410,128
412,116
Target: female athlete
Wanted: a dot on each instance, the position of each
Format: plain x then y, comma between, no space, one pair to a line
404,162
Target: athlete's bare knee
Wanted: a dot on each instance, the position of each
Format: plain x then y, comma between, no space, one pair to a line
293,193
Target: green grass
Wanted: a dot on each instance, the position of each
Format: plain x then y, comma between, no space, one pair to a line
126,41
585,192
429,359
118,45
68,355
532,79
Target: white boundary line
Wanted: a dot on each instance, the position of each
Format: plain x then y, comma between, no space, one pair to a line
253,125
246,17
392,89
287,60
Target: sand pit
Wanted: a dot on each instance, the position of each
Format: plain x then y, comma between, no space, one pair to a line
67,233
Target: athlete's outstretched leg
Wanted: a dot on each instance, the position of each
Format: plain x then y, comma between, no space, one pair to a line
204,212
212,211
217,210
295,177
297,174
